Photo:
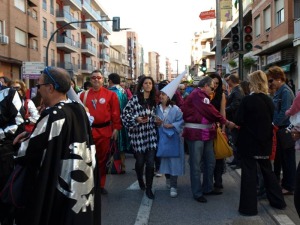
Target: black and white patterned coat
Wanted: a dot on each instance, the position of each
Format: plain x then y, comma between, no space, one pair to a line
142,136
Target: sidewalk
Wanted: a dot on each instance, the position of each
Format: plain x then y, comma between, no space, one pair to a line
289,216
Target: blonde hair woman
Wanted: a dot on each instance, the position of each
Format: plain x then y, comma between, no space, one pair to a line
31,112
255,116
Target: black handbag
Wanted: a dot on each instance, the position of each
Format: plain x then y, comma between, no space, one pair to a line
284,139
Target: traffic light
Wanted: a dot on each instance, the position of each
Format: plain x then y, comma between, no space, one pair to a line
248,38
203,66
235,38
116,24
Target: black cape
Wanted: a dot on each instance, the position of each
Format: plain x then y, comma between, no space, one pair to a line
62,183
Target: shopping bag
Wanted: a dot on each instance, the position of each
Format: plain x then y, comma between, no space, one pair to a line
168,144
221,147
113,164
12,192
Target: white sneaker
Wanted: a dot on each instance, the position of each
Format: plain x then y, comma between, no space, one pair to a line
158,175
168,183
173,192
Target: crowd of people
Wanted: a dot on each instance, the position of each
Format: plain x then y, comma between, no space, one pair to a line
65,171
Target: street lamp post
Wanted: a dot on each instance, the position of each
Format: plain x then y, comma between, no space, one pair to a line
116,27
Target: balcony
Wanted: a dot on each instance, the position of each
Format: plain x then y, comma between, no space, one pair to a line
87,68
104,41
88,30
70,67
88,50
297,32
66,44
104,57
64,17
74,4
105,26
89,12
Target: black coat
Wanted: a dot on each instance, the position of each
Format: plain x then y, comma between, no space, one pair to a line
254,117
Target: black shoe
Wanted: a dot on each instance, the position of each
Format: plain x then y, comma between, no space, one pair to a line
247,214
281,207
201,199
142,185
103,191
123,172
219,186
214,192
149,193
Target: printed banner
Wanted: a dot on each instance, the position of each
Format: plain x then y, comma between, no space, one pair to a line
226,10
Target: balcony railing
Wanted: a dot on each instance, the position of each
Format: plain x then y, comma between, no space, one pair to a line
89,48
87,67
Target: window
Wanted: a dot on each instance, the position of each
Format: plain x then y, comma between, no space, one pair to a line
267,18
34,44
44,28
279,9
52,57
20,4
45,4
20,37
44,53
257,26
51,28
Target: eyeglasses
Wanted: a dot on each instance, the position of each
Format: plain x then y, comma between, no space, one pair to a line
46,71
270,80
39,85
16,88
96,78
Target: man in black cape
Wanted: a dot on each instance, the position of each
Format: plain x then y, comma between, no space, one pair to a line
62,181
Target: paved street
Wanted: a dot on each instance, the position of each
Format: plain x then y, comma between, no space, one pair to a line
126,204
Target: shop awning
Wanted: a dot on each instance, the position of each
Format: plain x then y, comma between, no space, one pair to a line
287,67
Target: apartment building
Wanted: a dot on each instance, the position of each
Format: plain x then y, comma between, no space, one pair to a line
153,60
33,30
118,62
276,34
19,35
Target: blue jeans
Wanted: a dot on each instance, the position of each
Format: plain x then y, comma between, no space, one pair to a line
201,151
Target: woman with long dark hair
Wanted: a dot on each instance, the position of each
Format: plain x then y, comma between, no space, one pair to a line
219,102
139,118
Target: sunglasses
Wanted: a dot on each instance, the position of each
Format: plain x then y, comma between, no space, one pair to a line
270,80
96,78
16,88
39,85
46,71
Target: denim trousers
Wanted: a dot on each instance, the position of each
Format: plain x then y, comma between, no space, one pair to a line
201,152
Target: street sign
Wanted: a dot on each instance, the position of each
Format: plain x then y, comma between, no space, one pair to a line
32,70
207,15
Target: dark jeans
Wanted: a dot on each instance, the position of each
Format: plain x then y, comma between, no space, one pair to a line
285,159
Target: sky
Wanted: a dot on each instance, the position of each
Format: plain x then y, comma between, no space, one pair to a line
163,26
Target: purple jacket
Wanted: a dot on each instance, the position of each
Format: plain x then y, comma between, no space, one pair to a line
197,109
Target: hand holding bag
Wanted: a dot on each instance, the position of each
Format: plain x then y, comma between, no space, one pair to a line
221,147
168,144
113,165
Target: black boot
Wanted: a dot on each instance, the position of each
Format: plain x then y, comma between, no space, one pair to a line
149,193
142,184
139,174
149,181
